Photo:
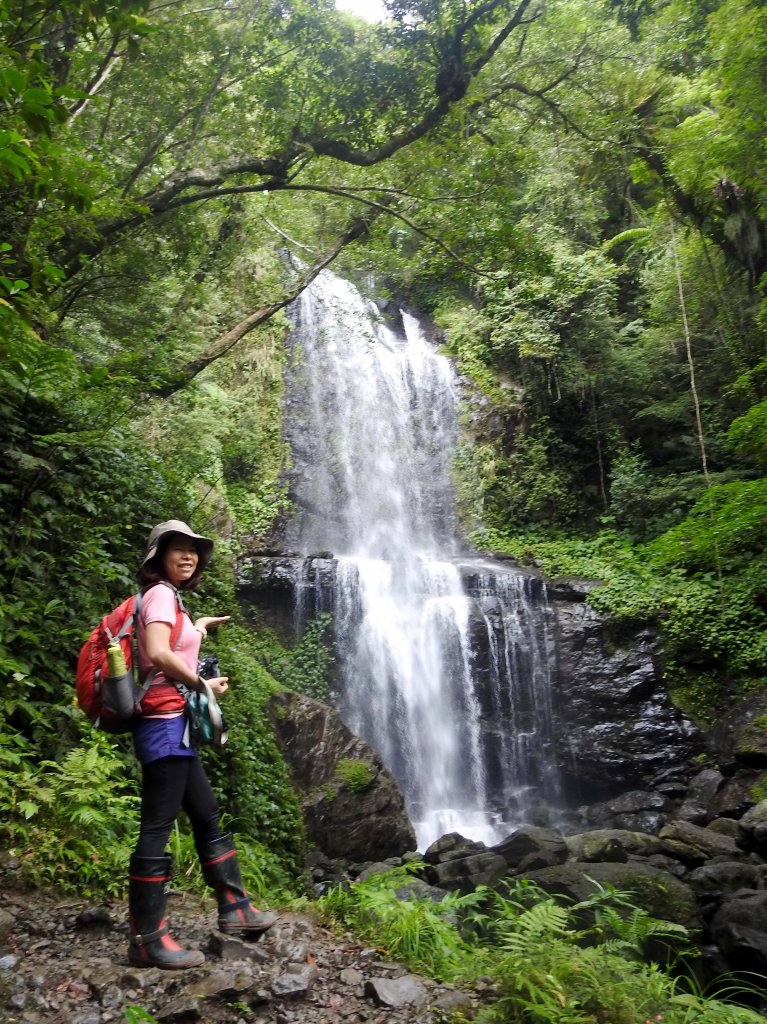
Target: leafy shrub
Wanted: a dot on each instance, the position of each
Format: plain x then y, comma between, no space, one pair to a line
263,872
714,625
355,775
748,433
729,522
416,931
630,483
305,666
251,774
77,496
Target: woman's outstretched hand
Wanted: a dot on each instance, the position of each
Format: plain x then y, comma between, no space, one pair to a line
207,622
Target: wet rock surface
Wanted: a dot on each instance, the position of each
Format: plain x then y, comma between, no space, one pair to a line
613,727
368,821
65,962
643,800
709,880
614,721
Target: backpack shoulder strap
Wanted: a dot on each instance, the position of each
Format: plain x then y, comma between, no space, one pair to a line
178,625
131,615
175,634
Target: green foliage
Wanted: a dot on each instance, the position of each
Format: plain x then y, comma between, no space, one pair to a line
355,775
137,1014
305,666
78,496
629,486
79,493
728,523
541,963
748,433
467,332
545,975
251,774
759,790
263,871
550,184
537,485
416,931
715,630
70,822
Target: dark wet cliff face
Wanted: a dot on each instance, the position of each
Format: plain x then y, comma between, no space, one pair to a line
566,712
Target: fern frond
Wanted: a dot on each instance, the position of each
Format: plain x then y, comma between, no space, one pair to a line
640,236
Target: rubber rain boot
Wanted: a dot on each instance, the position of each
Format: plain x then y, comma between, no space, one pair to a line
150,943
221,871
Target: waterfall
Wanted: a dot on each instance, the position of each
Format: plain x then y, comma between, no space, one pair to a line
372,419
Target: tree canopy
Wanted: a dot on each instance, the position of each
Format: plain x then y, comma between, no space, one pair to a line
575,192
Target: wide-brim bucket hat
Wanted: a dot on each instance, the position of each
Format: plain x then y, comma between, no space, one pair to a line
204,545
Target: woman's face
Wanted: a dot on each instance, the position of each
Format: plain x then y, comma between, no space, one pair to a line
180,560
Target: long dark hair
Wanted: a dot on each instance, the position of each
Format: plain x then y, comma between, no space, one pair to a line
151,572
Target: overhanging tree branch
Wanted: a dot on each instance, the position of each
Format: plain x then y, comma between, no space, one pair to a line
450,91
342,193
227,341
693,211
276,168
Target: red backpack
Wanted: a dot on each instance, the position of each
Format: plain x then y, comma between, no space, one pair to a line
112,702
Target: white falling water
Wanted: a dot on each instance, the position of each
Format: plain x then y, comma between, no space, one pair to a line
372,419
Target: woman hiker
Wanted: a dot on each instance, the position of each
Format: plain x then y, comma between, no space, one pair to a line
172,774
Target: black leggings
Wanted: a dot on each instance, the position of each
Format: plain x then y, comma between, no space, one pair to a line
169,784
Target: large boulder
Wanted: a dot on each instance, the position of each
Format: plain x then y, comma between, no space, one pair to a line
616,725
655,890
701,793
739,928
454,862
752,828
734,797
740,736
530,846
358,814
638,810
464,874
694,845
452,846
726,876
611,845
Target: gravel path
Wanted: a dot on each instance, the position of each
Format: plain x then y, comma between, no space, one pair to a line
64,961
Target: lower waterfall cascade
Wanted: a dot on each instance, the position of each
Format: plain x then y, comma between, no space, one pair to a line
372,419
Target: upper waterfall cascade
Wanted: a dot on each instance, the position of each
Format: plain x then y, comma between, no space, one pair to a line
372,419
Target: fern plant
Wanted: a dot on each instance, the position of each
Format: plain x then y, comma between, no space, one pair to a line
544,965
626,929
73,821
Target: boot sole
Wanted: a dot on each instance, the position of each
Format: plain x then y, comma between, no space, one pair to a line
247,929
136,962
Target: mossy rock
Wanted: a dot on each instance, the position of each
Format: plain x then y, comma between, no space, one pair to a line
355,775
740,737
653,889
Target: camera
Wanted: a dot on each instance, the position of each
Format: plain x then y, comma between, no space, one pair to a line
208,667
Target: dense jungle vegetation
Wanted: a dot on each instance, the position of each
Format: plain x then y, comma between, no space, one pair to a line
575,192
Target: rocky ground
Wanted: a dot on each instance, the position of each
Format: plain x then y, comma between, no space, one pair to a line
64,961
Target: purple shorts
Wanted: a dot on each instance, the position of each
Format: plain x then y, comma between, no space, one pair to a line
154,738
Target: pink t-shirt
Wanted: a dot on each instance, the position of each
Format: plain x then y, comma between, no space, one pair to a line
159,604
